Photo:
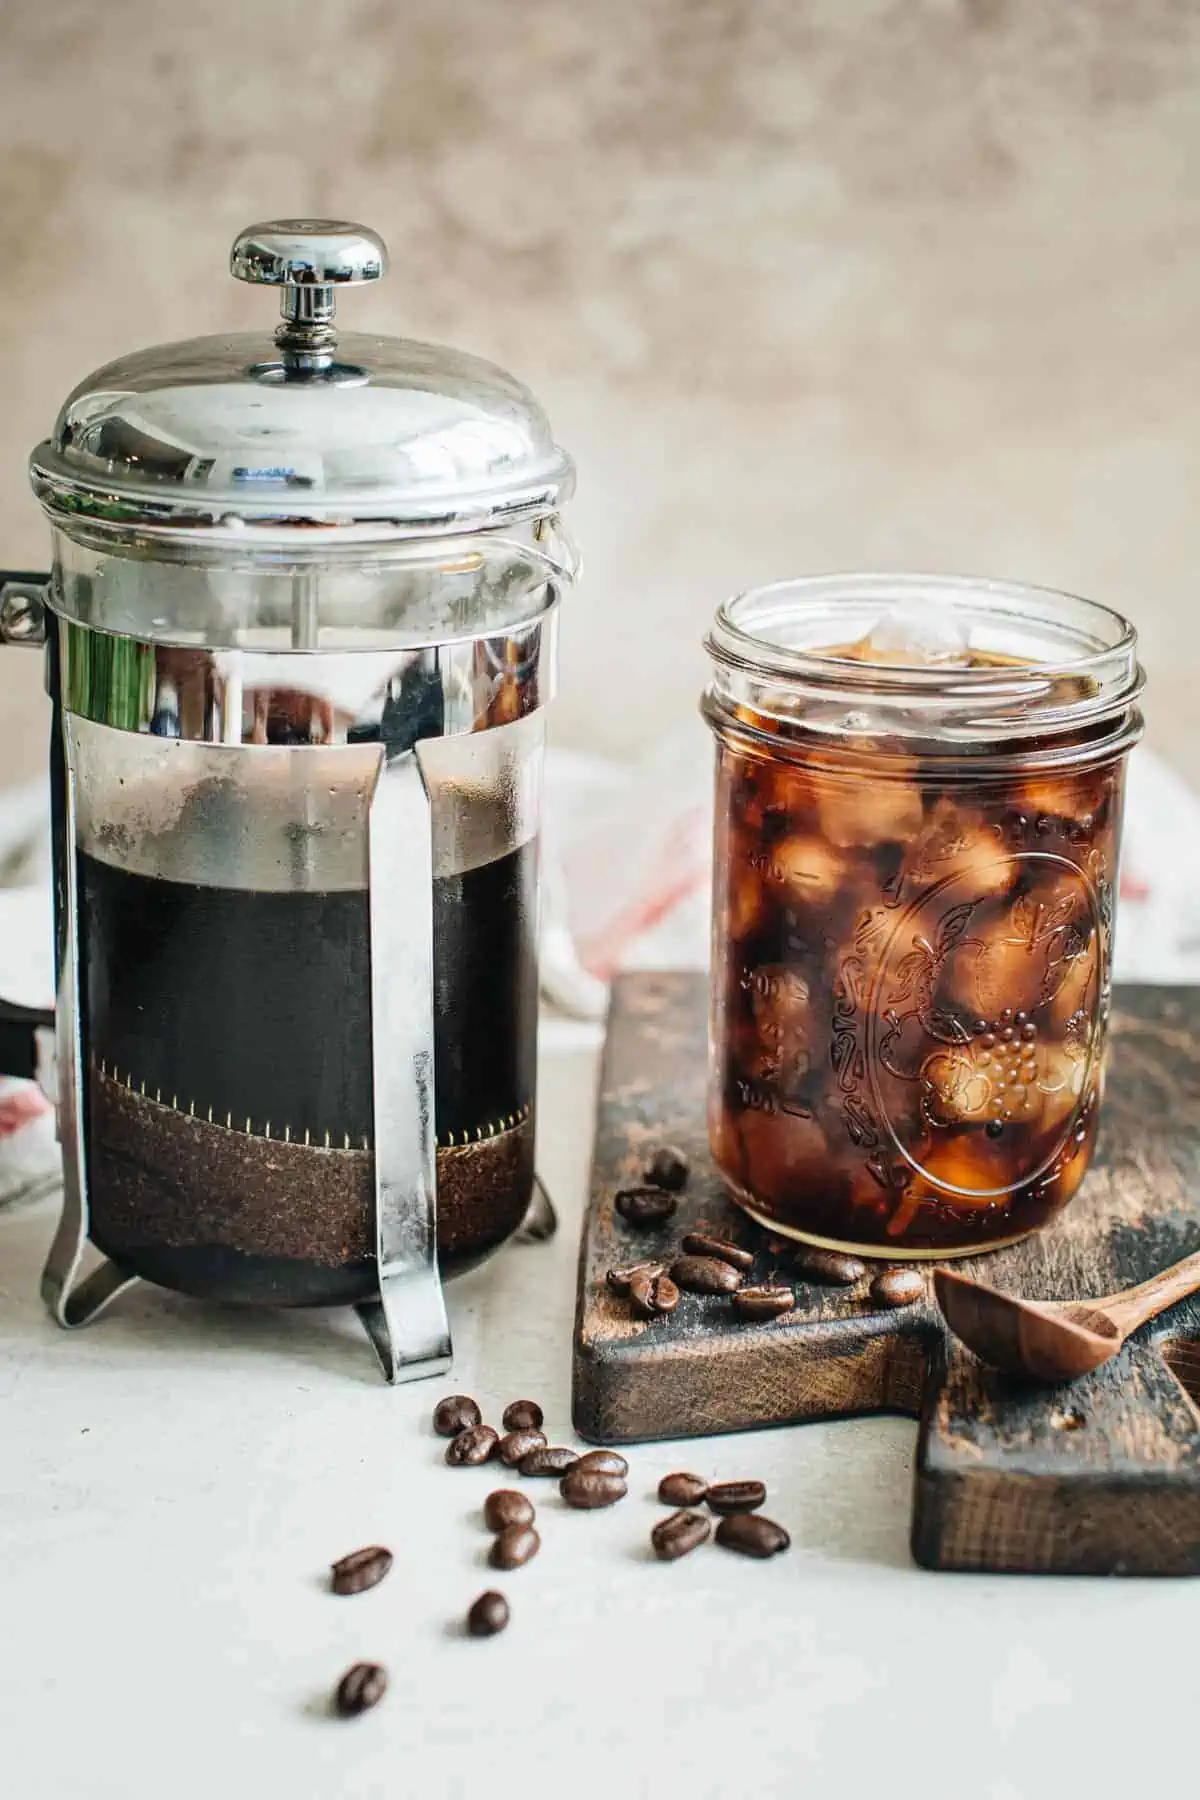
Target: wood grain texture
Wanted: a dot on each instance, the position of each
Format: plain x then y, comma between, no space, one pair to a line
1101,1476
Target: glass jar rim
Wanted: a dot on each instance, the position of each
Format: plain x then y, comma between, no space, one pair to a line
1076,661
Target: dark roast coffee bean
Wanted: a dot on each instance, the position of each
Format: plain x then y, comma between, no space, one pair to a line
360,1688
682,1490
523,1415
736,1496
515,1545
668,1168
752,1535
645,1205
698,1243
488,1615
551,1461
361,1570
652,1296
457,1412
897,1287
608,1461
674,1536
471,1447
620,1279
829,1266
517,1444
590,1488
506,1507
705,1275
759,1303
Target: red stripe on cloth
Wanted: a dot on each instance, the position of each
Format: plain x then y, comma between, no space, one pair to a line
21,1107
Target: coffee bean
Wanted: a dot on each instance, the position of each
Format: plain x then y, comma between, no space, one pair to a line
752,1535
619,1279
488,1615
590,1488
645,1205
360,1688
668,1168
457,1412
506,1507
361,1570
551,1461
897,1287
682,1490
652,1296
829,1266
736,1496
680,1532
699,1243
760,1303
515,1545
471,1447
705,1275
609,1462
517,1444
523,1415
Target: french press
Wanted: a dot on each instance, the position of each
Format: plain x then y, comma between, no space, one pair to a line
299,634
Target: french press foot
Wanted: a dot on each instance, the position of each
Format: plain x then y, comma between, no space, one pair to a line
407,1324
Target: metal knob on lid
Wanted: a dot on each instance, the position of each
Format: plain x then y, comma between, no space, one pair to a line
308,259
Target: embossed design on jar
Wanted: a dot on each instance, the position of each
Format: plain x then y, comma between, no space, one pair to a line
982,1021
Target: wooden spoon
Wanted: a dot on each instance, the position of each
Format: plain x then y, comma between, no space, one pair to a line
1055,1340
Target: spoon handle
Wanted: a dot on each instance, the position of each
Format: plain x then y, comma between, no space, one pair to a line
1135,1305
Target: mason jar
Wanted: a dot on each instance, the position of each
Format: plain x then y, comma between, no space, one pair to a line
918,819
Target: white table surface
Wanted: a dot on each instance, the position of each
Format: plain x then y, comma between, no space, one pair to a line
176,1480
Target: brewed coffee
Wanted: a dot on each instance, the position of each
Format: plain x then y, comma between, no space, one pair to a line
229,1092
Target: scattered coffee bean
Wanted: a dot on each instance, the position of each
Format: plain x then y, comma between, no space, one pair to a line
523,1415
752,1535
472,1446
514,1546
897,1287
829,1266
551,1461
705,1275
759,1303
590,1488
681,1489
488,1615
610,1462
360,1688
457,1412
736,1496
652,1296
668,1168
645,1205
698,1243
675,1535
517,1444
361,1570
620,1279
506,1507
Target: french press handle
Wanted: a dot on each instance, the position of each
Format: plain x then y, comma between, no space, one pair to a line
26,1032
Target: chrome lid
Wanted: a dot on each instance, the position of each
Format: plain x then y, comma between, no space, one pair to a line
270,437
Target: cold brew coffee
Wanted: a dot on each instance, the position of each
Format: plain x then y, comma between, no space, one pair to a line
912,944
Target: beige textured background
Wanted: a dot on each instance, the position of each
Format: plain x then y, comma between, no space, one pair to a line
805,284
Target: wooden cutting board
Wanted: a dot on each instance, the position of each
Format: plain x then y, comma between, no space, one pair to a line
1101,1477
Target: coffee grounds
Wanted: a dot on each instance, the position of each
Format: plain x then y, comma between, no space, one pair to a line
198,1204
